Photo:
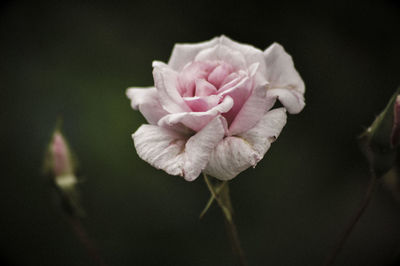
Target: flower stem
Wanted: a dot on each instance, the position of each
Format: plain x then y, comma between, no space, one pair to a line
221,195
354,220
211,200
82,235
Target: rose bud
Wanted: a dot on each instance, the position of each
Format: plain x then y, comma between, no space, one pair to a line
379,141
60,155
211,108
59,163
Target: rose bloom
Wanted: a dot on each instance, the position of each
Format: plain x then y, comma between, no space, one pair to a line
211,107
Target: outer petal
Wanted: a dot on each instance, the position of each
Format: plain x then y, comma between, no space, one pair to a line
237,153
160,147
291,99
232,156
185,53
196,120
251,53
148,103
285,82
200,146
252,111
166,82
224,54
172,152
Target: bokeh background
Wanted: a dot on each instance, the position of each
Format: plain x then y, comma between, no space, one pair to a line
75,59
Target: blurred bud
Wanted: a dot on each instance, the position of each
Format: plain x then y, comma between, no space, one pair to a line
60,165
60,155
381,138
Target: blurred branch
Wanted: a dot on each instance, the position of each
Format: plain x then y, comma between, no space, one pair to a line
83,237
359,212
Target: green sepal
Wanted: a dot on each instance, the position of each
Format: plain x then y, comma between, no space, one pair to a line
219,192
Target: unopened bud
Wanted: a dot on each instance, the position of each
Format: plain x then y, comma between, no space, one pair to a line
61,162
381,138
60,165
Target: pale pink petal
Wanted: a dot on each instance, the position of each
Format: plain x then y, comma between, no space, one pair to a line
200,146
203,103
191,74
266,131
252,111
237,153
219,74
147,101
196,120
285,82
166,82
231,81
175,153
222,53
185,53
291,99
239,93
204,88
160,147
232,78
250,53
231,156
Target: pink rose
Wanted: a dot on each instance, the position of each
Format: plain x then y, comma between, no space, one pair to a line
210,109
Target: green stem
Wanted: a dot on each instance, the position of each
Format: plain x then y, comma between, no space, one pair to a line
221,195
211,200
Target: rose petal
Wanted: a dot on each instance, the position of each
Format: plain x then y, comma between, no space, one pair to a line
285,82
204,88
250,53
166,82
291,99
237,153
203,103
252,111
219,74
266,131
173,152
185,53
222,53
232,78
160,147
231,156
200,146
191,73
148,103
240,92
196,120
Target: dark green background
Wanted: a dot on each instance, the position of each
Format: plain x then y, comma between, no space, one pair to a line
75,60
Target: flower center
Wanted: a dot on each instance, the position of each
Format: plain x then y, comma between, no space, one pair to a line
199,79
204,85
